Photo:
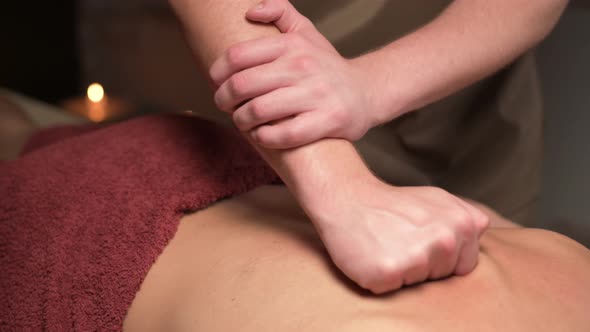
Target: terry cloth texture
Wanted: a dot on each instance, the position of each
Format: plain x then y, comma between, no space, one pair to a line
85,212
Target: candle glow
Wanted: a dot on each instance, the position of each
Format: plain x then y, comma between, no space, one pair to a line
97,108
95,92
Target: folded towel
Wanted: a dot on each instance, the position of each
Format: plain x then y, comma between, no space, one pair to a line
85,212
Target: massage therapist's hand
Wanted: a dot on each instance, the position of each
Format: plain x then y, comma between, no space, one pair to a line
384,237
291,89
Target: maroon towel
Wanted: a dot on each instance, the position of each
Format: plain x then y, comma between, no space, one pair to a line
86,212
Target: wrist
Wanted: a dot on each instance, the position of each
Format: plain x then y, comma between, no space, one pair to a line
387,99
317,172
334,206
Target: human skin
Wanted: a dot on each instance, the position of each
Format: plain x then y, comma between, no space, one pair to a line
255,263
300,79
380,236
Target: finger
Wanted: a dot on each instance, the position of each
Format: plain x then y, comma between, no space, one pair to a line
391,284
444,252
469,246
388,277
418,269
245,55
468,257
275,105
303,129
251,83
481,220
281,13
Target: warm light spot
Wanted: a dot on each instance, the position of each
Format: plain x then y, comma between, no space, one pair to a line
95,92
97,114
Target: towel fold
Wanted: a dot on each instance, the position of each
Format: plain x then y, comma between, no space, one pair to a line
85,212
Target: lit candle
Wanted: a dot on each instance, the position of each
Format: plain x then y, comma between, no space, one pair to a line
97,103
97,106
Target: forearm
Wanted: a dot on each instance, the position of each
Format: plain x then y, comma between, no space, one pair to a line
212,26
470,40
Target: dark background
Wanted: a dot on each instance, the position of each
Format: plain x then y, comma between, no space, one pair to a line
39,56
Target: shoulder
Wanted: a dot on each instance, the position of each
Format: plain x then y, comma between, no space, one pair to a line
542,262
548,243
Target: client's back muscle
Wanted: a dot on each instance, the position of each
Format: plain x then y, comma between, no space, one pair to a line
254,263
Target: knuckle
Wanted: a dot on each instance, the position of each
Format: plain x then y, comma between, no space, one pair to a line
387,270
421,215
446,242
264,136
464,224
341,120
305,63
321,89
418,258
339,116
480,219
237,85
233,56
484,222
462,217
257,110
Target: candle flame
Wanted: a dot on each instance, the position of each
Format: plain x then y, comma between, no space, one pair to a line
95,92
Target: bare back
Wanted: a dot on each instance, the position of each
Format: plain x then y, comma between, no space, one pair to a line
255,263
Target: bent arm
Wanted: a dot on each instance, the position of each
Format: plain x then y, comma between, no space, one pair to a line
374,242
212,26
470,40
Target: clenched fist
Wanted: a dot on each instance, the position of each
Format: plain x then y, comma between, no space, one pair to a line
384,237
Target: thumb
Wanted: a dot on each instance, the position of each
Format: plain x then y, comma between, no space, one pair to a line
281,13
